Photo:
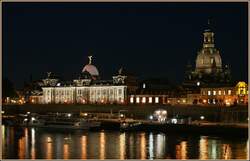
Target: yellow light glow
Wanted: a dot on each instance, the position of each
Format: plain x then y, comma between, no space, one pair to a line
131,99
102,145
122,146
156,99
84,147
137,100
143,99
150,100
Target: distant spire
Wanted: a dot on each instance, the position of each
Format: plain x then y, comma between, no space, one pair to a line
208,28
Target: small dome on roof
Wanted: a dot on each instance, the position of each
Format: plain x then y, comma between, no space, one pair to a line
91,69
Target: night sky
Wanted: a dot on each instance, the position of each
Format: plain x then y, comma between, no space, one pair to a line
147,39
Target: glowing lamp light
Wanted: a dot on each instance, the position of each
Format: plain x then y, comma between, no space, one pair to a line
49,139
164,112
198,83
2,112
121,115
131,99
85,114
204,101
158,112
151,117
102,101
69,114
83,101
25,119
28,113
33,119
143,99
202,117
174,121
32,100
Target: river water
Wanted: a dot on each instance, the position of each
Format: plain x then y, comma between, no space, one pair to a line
38,143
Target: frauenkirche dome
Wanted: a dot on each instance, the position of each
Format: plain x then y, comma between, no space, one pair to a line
208,59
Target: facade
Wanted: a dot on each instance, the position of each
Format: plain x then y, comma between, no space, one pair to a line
220,96
87,89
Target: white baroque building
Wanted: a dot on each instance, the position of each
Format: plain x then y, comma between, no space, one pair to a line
87,89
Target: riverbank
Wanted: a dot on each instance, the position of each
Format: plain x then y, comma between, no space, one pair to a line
211,113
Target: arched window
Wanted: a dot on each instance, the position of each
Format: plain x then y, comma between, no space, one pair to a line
212,60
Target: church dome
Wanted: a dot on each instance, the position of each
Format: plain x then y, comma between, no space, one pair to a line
91,69
208,59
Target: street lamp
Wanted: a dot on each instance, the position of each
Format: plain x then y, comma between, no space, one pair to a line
202,117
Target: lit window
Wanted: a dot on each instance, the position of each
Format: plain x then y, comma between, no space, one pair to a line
150,100
144,85
214,93
214,101
229,92
212,60
224,92
131,99
219,92
137,100
156,99
143,99
208,101
209,93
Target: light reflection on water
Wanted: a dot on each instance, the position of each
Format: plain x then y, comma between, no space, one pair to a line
35,143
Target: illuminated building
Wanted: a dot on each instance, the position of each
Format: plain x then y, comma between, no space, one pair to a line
88,88
209,69
241,90
222,96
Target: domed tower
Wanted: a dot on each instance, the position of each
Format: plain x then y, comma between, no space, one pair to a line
208,59
91,69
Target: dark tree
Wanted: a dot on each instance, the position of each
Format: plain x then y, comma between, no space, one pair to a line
8,89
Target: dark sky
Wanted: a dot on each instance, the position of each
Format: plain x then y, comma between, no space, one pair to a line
148,39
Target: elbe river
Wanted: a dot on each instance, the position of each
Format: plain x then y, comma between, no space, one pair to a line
38,143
